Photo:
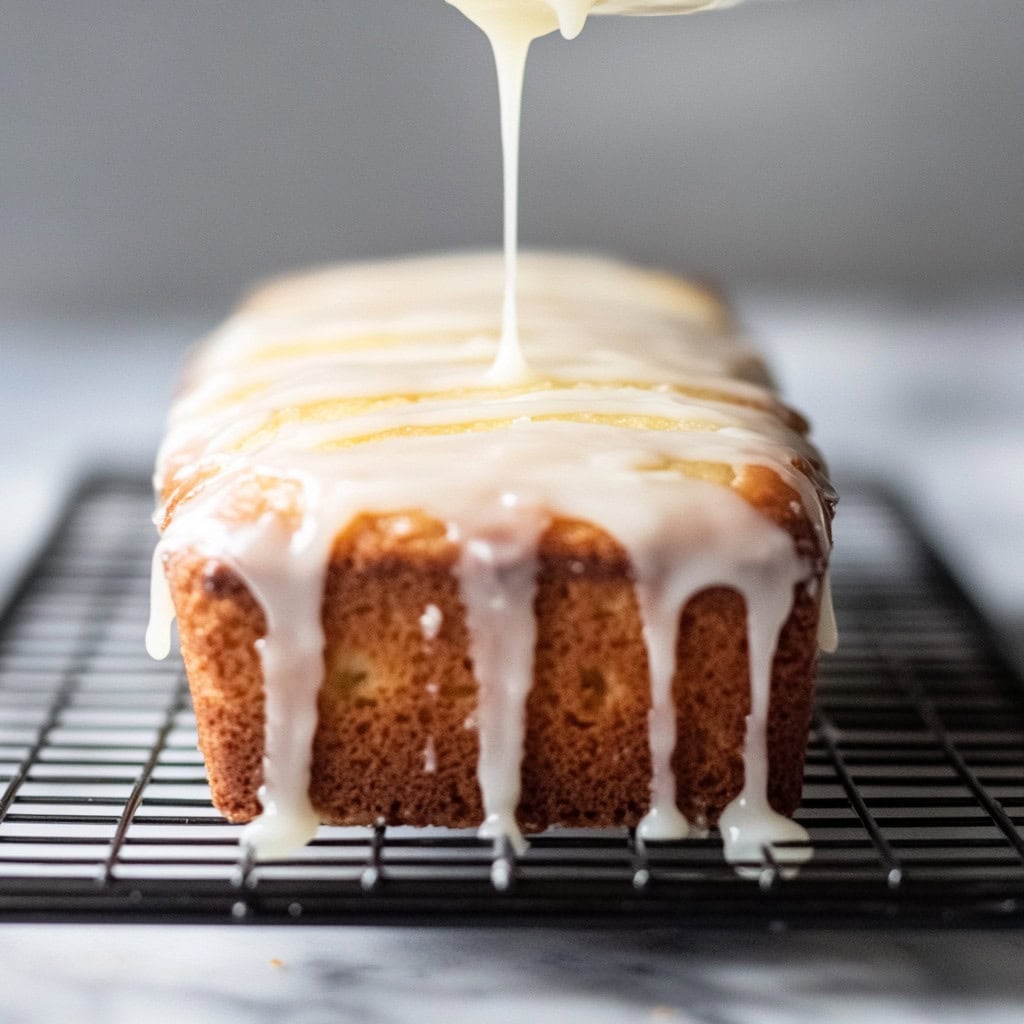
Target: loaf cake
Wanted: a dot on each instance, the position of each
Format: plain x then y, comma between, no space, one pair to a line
407,590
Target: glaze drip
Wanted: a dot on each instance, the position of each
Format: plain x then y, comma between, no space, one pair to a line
511,28
161,610
828,631
497,573
748,823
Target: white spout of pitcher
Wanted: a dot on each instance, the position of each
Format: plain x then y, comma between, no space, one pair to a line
569,16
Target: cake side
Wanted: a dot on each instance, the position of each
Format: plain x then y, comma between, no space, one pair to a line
396,735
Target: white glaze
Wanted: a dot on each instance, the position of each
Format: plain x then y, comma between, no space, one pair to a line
828,631
511,28
430,623
161,610
497,573
430,756
749,823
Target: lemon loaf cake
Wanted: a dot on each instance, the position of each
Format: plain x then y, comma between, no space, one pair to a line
409,589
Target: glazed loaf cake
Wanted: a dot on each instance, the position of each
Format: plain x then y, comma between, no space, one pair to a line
407,590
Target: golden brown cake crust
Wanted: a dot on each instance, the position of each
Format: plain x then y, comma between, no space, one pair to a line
397,737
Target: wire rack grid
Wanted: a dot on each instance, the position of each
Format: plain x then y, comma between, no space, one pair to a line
913,798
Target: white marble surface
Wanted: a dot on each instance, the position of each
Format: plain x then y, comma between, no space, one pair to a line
928,397
308,975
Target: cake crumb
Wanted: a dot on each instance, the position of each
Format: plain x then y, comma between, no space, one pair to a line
276,962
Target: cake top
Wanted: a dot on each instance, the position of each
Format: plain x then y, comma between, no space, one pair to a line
577,312
315,365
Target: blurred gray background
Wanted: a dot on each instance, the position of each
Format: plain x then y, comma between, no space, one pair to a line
156,155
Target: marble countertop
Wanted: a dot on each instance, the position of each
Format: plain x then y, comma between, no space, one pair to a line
928,398
129,974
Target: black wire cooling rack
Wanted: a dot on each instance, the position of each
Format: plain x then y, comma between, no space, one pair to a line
914,795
